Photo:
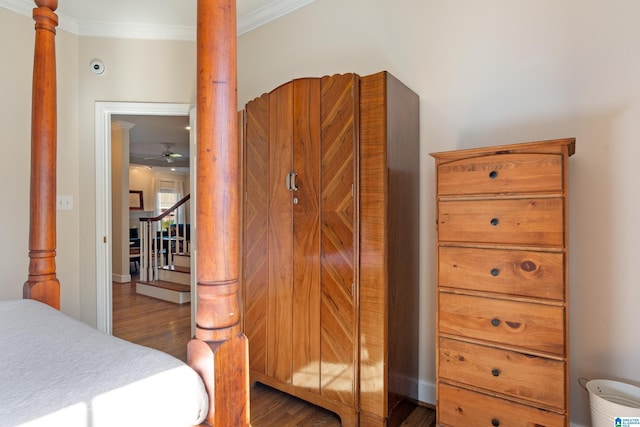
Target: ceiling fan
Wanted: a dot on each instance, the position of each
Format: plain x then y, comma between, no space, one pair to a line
168,155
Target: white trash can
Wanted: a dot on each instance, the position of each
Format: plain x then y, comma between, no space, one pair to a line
613,403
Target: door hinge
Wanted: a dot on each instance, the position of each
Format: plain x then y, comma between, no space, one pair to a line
104,239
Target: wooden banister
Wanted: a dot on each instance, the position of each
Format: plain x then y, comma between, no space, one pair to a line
220,347
154,255
42,283
168,211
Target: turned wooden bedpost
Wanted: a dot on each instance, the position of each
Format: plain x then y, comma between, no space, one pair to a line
42,284
220,350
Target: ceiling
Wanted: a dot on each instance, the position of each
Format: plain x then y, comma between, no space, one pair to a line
151,19
160,20
152,138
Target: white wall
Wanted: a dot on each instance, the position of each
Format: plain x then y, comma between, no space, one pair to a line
15,140
138,71
494,72
16,46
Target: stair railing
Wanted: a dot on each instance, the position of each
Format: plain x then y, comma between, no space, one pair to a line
158,243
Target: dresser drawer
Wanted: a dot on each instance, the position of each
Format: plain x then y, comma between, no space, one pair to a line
533,378
511,221
514,323
460,407
526,273
502,174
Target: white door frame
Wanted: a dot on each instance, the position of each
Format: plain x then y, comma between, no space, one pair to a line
103,113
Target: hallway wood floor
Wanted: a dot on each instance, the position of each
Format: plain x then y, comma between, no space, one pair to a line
167,327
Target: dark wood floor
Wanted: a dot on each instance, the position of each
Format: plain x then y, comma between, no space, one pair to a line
167,327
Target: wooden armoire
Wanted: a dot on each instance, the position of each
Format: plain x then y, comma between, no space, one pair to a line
502,336
330,243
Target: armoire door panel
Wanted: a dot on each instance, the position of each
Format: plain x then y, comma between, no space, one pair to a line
279,327
306,235
338,318
256,246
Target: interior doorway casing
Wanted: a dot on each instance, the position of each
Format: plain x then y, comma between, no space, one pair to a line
103,113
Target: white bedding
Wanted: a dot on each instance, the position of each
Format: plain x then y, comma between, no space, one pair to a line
57,371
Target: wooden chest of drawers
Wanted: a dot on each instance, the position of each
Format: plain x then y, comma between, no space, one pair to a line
502,275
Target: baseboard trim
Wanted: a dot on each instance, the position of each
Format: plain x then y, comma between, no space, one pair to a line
170,295
121,278
427,392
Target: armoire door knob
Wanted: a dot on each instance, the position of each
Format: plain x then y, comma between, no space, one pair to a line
290,181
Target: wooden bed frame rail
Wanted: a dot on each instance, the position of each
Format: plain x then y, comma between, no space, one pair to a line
219,351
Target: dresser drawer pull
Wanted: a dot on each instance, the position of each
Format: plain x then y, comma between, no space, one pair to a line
493,174
495,422
494,221
495,272
495,372
495,322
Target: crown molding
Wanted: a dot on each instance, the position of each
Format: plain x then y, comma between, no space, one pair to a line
25,7
273,10
267,13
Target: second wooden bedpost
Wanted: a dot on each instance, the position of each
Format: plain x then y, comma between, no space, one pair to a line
219,351
42,283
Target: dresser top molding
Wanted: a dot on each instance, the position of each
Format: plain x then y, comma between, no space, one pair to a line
553,146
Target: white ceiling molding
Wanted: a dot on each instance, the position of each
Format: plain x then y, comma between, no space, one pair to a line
25,7
127,30
249,21
267,13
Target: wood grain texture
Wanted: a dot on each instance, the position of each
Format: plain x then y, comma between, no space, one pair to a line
306,236
564,146
502,312
502,174
389,247
533,222
219,351
256,237
514,272
373,251
460,407
520,324
403,166
280,253
315,127
519,375
338,315
42,283
151,322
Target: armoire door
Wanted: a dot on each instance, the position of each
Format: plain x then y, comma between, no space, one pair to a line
256,242
339,95
299,268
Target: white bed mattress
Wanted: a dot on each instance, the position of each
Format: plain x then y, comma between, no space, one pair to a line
57,371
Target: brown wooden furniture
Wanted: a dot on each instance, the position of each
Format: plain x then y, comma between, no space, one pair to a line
219,348
331,243
502,285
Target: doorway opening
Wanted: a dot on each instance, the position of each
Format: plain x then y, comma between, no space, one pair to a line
104,114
